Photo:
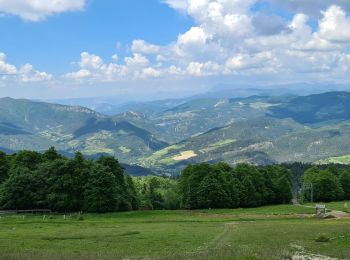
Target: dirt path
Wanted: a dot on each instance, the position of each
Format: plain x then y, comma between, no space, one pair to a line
335,213
340,214
222,238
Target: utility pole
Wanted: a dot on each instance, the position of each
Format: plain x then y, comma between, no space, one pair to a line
307,187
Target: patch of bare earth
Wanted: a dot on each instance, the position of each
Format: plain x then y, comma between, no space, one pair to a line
340,214
302,254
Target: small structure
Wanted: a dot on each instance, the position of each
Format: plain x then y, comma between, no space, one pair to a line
321,210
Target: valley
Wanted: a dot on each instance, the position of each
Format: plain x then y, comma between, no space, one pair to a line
165,136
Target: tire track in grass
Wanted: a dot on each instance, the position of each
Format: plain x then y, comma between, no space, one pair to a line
222,238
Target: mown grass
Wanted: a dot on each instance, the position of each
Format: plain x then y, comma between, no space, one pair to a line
217,145
273,232
339,160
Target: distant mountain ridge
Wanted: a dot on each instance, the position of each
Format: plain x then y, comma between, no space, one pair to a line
32,125
315,108
169,134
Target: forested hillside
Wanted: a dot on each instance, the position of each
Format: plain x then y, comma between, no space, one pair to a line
36,126
165,136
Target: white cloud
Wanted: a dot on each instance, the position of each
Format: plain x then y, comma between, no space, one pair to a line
335,25
6,68
229,39
176,4
195,36
36,10
27,73
92,69
193,42
115,57
137,60
140,46
79,75
90,61
311,7
202,69
24,74
248,61
151,73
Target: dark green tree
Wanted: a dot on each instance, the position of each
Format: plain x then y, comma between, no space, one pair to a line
28,159
24,189
4,167
189,182
78,170
326,185
62,184
132,193
51,154
100,191
247,193
345,183
211,194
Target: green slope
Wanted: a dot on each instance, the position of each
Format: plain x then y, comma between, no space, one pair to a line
261,141
170,135
32,125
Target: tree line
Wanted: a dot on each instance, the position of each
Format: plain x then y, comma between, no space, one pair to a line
32,180
223,186
328,184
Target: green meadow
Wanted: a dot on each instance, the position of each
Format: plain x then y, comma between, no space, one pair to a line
271,232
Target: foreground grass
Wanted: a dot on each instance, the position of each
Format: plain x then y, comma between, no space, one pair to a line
273,232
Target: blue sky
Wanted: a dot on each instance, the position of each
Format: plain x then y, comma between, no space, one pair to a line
168,48
97,29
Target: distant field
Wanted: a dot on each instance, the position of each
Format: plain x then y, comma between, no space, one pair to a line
272,232
337,160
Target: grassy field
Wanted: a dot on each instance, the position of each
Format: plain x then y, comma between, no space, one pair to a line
337,160
273,232
337,205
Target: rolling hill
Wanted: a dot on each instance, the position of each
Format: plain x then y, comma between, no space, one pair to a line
32,125
315,109
167,135
258,141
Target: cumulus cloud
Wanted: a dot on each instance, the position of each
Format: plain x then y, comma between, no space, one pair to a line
268,24
202,69
137,60
93,69
230,39
176,4
24,74
310,7
27,73
39,9
150,73
140,46
335,25
6,68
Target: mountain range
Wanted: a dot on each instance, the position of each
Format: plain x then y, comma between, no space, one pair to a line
166,135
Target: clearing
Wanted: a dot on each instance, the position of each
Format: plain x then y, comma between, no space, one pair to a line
271,232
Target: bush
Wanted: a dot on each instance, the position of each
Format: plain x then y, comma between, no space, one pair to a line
322,238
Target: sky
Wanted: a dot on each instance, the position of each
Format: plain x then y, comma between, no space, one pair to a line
169,48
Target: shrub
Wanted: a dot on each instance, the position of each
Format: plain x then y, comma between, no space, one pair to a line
322,238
